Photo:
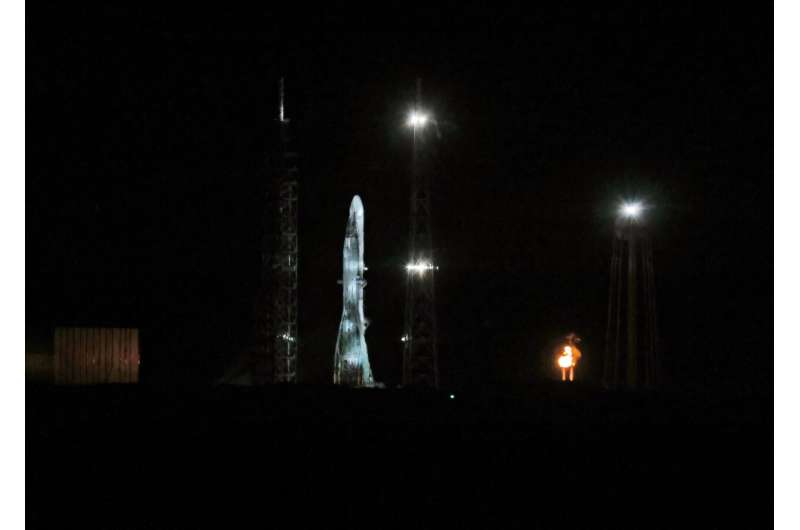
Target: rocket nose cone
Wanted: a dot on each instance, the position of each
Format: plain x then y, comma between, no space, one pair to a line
356,206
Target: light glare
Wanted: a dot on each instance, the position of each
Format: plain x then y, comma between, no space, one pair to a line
631,209
417,119
420,267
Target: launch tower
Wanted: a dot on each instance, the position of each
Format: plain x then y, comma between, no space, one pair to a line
420,356
284,262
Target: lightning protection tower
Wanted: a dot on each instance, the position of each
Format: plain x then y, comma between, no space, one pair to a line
284,262
420,357
631,358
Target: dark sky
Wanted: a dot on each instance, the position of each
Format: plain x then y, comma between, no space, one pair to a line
148,137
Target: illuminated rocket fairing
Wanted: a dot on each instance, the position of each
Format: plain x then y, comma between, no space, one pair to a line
351,361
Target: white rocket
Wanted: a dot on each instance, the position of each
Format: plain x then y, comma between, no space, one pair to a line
351,361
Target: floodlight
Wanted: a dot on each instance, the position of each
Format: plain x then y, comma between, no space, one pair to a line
420,267
417,119
631,210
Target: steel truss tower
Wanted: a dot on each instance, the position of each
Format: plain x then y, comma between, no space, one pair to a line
420,356
260,358
631,310
284,261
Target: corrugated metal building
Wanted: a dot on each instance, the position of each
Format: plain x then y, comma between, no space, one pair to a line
89,356
39,367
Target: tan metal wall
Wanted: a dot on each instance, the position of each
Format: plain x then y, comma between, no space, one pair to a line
88,356
39,367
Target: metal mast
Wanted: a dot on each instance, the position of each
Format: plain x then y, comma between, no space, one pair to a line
420,357
284,264
631,308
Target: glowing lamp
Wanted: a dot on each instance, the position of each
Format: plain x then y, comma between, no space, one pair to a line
417,119
565,361
631,210
419,267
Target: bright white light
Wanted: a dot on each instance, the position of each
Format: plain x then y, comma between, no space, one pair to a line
417,119
287,337
452,396
565,361
404,338
631,210
420,267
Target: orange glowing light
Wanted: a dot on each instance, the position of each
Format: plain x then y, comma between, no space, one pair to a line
569,356
565,361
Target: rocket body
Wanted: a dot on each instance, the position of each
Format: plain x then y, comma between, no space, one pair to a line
351,361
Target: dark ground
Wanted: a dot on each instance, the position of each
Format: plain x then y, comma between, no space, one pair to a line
547,455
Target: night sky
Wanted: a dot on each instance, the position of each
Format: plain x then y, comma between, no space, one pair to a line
148,142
